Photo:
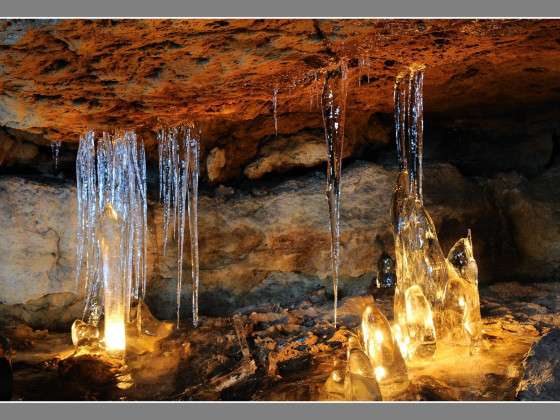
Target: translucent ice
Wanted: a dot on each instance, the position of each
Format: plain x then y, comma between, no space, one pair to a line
179,161
275,109
421,264
84,333
111,170
461,316
381,348
55,149
360,383
419,324
111,245
333,103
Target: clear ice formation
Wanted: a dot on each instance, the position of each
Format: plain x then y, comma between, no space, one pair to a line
179,168
84,333
275,109
429,285
360,383
333,104
421,266
381,348
461,316
55,150
109,232
385,272
111,170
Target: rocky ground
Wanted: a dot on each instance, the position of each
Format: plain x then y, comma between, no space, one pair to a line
269,352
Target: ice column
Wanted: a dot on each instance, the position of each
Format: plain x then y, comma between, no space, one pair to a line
111,243
421,264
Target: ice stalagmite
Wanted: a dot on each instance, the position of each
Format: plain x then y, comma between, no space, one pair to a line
111,246
421,264
333,104
111,177
179,151
360,383
461,316
382,348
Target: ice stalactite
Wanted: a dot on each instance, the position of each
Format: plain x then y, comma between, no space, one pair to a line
169,173
333,104
86,250
275,109
179,156
193,153
111,177
55,150
421,266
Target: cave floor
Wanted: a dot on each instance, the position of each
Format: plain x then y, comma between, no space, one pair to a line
274,354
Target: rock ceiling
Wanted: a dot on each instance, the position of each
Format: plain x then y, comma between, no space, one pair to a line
60,77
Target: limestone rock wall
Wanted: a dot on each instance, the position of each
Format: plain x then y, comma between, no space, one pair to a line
267,241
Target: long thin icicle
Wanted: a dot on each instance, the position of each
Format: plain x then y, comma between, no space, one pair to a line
194,169
275,109
333,102
179,151
55,149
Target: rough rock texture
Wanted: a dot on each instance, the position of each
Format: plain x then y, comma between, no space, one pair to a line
279,353
532,208
270,241
61,77
541,379
37,246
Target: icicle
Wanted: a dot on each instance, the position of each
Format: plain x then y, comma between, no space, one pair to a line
193,167
55,150
169,181
179,167
275,108
116,178
181,225
333,102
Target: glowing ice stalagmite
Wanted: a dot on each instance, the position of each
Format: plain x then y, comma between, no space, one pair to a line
381,347
421,264
109,234
461,316
360,382
333,103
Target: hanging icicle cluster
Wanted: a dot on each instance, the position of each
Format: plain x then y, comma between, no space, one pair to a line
179,150
333,104
111,172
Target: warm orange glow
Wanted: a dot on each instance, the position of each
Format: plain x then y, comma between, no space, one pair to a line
115,333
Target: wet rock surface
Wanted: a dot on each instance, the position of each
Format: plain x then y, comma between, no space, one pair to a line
288,354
